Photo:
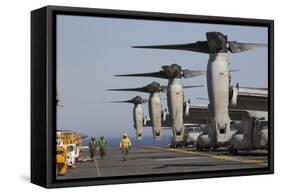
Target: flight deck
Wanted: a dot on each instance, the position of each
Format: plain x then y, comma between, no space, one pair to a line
155,160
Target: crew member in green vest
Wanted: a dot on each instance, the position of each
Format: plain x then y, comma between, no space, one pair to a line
102,146
92,147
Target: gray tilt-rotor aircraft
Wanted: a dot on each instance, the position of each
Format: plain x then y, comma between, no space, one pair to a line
138,114
218,78
154,103
175,95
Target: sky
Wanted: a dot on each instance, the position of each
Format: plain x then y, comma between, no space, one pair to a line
90,50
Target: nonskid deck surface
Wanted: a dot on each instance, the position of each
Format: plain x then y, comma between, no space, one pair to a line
155,160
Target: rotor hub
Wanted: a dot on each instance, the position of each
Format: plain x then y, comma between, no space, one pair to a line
153,87
172,71
217,42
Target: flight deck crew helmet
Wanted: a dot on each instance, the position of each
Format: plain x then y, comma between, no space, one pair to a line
125,135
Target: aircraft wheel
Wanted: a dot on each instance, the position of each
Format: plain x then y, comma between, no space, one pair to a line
198,148
233,151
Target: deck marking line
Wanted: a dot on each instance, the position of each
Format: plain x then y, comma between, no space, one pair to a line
215,156
97,166
180,158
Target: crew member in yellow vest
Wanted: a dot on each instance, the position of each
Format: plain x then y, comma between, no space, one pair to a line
125,145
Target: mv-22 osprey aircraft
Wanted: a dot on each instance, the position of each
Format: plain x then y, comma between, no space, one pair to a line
138,114
249,108
154,103
218,78
175,96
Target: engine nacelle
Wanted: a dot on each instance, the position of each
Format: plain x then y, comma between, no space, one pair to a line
138,120
139,134
233,93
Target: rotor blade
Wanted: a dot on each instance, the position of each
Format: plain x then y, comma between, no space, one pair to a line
142,89
144,100
125,101
237,47
233,70
189,74
196,86
159,74
199,46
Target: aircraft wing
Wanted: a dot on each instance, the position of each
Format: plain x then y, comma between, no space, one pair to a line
149,124
255,99
198,114
167,124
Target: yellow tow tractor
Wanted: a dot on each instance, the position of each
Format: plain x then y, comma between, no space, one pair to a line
61,160
69,146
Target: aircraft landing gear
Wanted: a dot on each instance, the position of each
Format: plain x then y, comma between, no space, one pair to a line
198,148
233,151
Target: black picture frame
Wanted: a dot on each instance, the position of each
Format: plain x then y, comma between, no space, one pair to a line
43,94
